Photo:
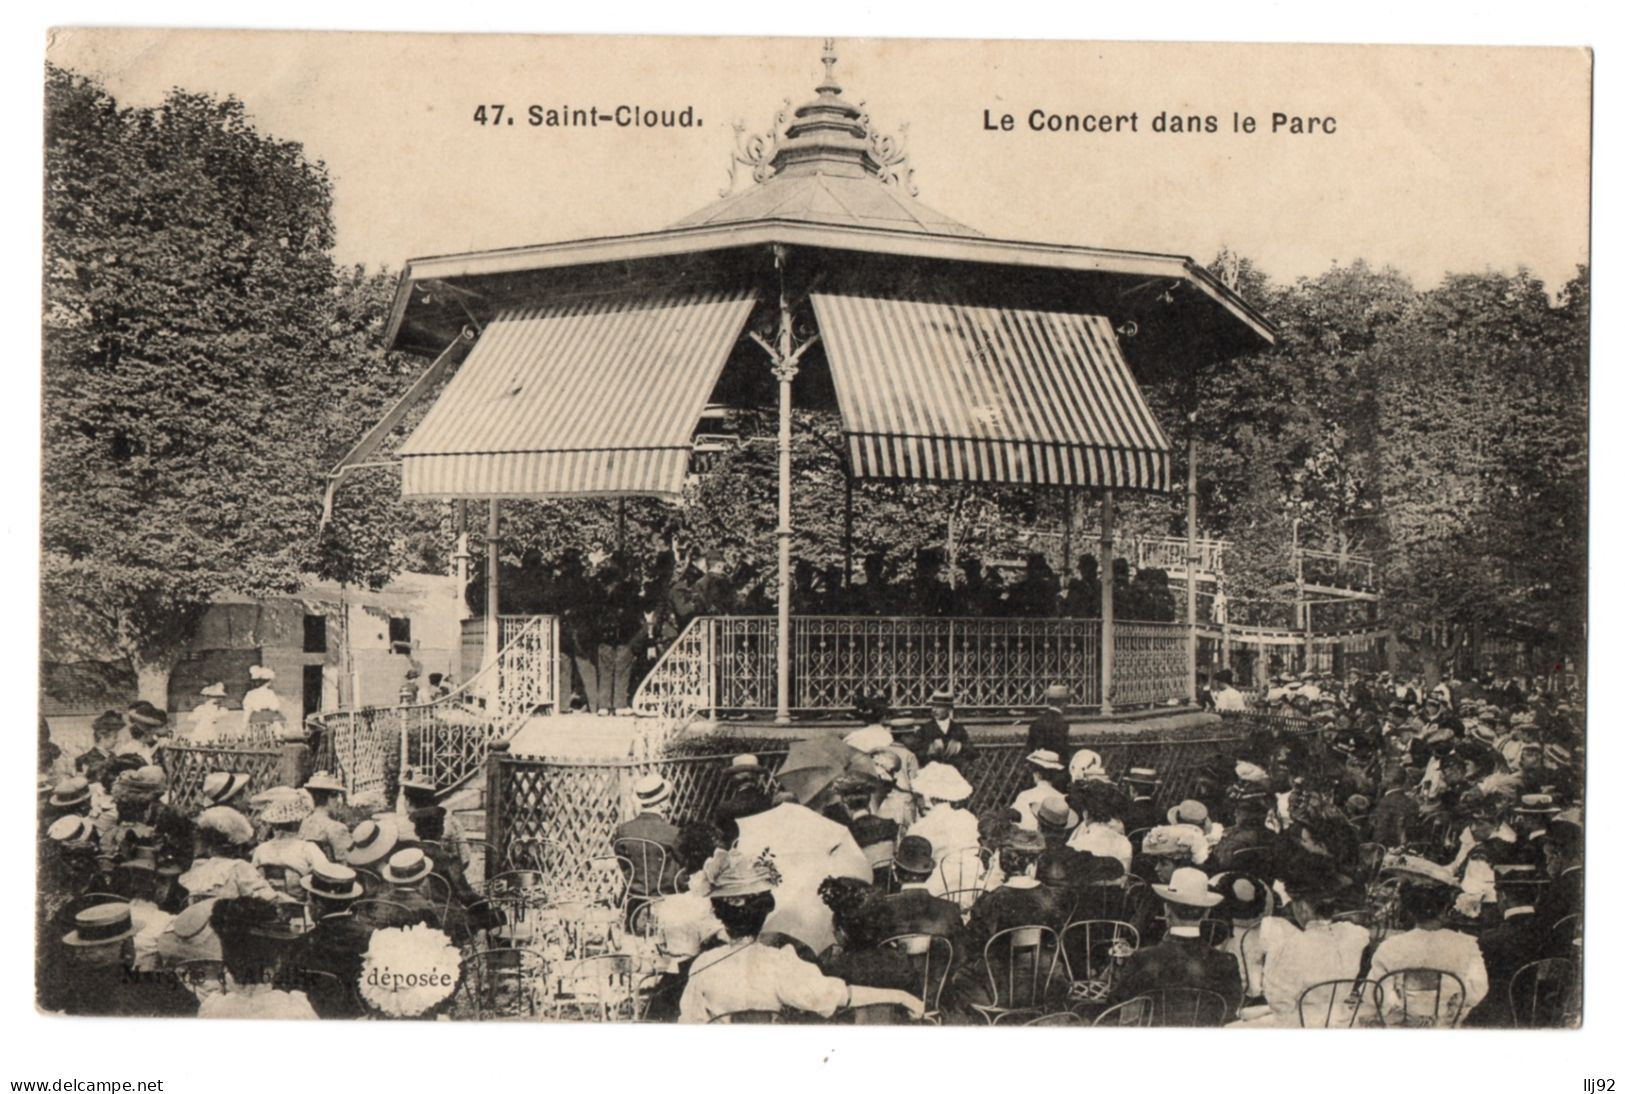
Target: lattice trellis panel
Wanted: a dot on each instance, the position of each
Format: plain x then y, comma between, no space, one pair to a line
186,766
575,807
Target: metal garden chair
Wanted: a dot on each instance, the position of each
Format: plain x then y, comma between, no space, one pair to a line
501,982
603,983
647,863
1421,997
1020,963
1139,1011
1539,993
932,956
1095,949
1189,1007
961,872
1336,1004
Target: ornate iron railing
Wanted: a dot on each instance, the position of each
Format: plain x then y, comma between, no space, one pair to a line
1148,665
679,684
729,663
448,739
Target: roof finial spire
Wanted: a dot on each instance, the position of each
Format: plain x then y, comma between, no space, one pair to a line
829,59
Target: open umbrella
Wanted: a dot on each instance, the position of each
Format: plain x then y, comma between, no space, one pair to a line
806,848
814,763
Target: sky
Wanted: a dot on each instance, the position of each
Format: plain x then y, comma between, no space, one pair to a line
1443,158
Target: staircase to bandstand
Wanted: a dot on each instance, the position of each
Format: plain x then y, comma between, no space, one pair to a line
446,740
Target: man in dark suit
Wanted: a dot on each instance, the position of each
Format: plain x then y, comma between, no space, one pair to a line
1140,784
1182,959
943,739
653,795
336,944
1050,730
914,909
1566,894
1515,942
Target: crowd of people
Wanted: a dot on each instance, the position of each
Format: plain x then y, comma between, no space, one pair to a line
1414,843
1399,832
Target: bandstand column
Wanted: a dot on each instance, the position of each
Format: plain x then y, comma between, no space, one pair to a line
1108,640
493,629
1190,558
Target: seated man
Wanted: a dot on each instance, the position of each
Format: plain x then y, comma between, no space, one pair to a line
336,943
653,795
913,907
1182,959
406,873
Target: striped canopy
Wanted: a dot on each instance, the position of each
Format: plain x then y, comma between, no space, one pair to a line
595,396
940,391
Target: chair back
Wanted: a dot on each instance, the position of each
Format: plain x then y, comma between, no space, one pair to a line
749,1018
602,984
1059,1018
609,881
379,912
1094,949
644,922
501,982
527,853
1137,837
1539,993
1020,963
1421,997
1335,1004
963,899
1371,856
932,957
1567,929
1251,952
439,891
1189,1007
645,866
1255,861
961,870
1139,1011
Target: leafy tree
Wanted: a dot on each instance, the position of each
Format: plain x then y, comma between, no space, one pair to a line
194,334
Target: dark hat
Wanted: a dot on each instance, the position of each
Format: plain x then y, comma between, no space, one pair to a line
914,854
1025,840
108,721
144,713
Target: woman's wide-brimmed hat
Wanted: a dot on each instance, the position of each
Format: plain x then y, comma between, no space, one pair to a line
941,782
740,875
407,866
324,780
100,925
227,823
1086,764
372,840
1171,841
1044,758
288,808
870,738
1191,812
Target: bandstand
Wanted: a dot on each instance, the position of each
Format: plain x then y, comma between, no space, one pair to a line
583,369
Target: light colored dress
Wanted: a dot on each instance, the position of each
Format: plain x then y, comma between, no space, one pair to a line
256,1001
226,877
745,975
290,852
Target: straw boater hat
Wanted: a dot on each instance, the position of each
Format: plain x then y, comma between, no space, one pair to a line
215,690
941,697
71,831
407,866
651,792
372,840
1044,758
1188,886
1057,695
332,881
261,673
100,925
219,787
941,782
870,738
1143,775
324,780
743,766
1417,868
70,791
289,809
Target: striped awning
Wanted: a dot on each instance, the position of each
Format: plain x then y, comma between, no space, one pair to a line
597,396
932,390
